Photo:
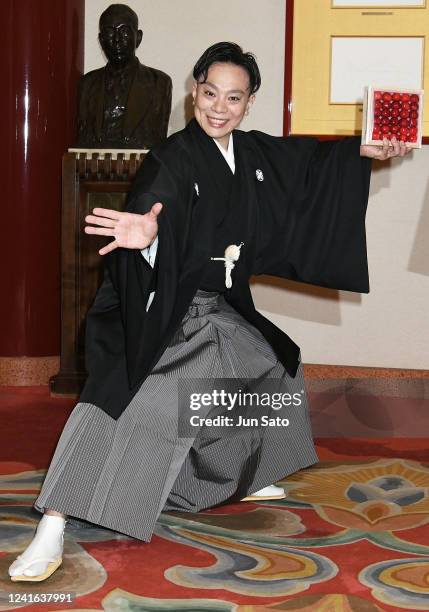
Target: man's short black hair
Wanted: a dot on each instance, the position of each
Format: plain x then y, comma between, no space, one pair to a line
230,53
120,9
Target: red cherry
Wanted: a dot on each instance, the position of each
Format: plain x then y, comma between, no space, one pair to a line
385,121
414,106
395,112
386,113
413,131
414,98
385,129
395,129
378,105
376,135
403,123
414,114
412,138
386,104
396,96
405,97
378,95
403,130
413,123
406,106
402,138
396,105
387,97
404,114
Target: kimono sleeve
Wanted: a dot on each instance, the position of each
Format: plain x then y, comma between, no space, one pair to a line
158,180
313,227
163,177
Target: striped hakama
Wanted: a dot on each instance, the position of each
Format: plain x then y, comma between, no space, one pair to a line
121,474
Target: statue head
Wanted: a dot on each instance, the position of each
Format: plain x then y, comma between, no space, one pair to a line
119,35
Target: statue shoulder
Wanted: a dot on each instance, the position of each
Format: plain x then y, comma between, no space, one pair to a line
89,85
91,76
88,81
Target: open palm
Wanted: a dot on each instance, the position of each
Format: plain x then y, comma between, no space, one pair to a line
130,230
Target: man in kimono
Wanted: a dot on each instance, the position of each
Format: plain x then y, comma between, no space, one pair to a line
209,208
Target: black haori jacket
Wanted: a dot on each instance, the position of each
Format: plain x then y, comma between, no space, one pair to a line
305,204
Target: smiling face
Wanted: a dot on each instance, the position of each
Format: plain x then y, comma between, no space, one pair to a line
222,100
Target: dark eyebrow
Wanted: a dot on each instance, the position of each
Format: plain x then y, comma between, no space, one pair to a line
230,92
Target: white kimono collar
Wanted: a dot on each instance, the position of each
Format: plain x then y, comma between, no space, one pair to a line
229,154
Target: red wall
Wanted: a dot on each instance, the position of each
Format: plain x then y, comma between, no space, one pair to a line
43,59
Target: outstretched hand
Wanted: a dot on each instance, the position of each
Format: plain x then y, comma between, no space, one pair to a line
389,148
130,230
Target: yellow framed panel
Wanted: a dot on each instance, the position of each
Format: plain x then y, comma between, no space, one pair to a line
378,4
315,24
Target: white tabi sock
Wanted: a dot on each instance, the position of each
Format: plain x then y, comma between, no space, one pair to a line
47,542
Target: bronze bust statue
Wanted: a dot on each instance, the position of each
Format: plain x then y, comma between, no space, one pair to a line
125,104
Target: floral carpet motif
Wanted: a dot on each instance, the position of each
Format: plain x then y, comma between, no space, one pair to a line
352,535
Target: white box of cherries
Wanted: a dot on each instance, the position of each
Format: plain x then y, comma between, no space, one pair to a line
389,111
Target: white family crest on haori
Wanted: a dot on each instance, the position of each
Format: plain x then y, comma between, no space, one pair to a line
259,174
196,189
232,253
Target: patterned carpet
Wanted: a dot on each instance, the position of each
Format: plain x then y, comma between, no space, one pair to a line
352,534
